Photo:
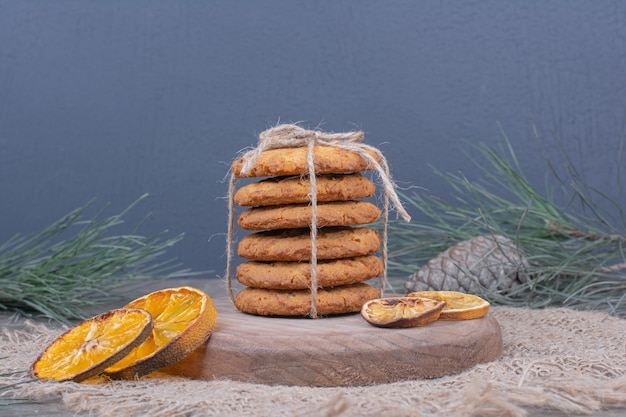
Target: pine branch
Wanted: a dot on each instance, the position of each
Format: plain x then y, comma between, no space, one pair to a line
613,268
74,263
572,232
575,256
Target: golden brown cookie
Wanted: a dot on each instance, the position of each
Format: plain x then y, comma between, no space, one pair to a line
293,190
297,275
294,216
292,161
295,244
338,300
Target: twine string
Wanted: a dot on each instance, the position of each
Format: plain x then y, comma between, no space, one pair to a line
230,236
294,136
313,195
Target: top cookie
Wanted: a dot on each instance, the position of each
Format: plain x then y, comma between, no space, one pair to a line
297,189
292,161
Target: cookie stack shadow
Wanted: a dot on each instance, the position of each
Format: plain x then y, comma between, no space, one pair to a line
277,272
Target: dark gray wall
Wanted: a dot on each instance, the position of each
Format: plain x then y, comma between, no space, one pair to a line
111,99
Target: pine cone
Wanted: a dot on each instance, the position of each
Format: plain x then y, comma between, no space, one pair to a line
492,263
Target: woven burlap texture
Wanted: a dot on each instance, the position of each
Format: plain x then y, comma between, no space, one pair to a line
554,358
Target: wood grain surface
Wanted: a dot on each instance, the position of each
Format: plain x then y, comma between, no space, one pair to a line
336,351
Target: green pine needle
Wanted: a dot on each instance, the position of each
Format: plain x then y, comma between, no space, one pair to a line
576,252
76,263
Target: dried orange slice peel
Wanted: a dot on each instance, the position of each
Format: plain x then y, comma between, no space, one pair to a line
459,306
401,311
184,319
90,347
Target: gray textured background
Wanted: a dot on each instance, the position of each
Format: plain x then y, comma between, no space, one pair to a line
112,99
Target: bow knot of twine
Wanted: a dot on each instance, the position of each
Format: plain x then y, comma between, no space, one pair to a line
294,136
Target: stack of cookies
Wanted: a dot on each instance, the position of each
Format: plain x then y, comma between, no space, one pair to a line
277,273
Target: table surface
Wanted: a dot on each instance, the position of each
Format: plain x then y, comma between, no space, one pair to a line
215,288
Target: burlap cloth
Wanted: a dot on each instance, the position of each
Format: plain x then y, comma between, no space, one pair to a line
556,358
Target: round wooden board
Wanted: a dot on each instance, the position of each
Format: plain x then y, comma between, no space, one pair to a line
336,351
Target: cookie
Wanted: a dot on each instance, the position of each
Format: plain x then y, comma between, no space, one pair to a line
294,216
297,275
294,190
295,244
338,300
293,161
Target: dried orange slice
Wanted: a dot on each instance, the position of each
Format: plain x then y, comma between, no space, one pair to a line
90,347
459,306
183,317
401,311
